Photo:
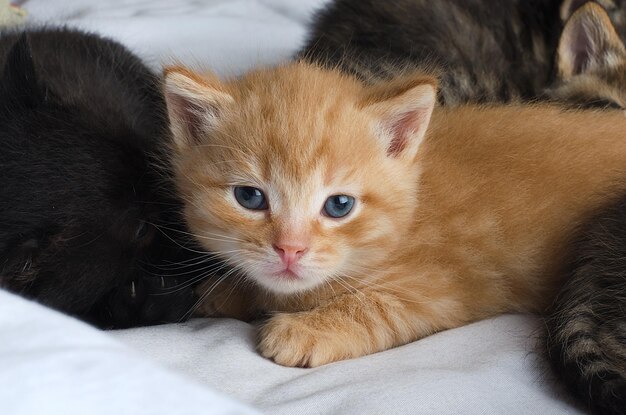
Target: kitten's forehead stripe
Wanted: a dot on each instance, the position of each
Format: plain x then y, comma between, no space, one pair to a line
297,126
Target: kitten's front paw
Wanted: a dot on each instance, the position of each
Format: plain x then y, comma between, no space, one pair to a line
290,340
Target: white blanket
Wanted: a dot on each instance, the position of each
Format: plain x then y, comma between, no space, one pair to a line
486,368
229,36
52,364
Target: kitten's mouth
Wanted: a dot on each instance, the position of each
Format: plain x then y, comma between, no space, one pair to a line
287,274
281,279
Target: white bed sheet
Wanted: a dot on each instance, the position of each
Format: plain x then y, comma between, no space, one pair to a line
51,364
486,368
230,36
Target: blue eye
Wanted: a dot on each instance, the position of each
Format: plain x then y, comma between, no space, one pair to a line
338,206
250,198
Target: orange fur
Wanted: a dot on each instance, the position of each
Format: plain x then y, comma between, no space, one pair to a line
469,226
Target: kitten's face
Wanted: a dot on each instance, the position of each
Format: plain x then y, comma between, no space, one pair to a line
591,61
291,177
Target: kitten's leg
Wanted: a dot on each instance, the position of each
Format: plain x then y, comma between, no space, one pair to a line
219,298
352,325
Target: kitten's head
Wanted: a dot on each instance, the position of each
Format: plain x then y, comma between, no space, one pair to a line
298,175
103,167
591,61
76,186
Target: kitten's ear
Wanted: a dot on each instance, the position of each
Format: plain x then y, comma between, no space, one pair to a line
195,105
19,81
568,7
588,42
403,109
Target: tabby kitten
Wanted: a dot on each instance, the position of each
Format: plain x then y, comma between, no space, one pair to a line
80,121
591,61
586,325
483,51
363,224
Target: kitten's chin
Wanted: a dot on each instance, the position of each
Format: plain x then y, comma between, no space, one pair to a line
286,282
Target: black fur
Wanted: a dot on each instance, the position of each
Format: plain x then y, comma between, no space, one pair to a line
82,125
586,325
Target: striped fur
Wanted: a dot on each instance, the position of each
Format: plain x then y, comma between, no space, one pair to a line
483,51
586,325
381,40
591,61
438,239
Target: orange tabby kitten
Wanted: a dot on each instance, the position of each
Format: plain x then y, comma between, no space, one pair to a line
364,224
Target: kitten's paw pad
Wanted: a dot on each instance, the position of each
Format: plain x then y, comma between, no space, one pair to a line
288,340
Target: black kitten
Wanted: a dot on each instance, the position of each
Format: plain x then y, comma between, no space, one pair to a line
84,209
483,51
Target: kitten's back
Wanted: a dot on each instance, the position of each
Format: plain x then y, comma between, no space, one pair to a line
486,51
100,75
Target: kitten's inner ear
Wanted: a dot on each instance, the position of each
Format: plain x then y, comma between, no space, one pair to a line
195,105
404,112
19,81
588,42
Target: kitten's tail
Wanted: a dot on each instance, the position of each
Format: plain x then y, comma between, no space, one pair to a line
586,327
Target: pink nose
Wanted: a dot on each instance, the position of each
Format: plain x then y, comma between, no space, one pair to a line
289,254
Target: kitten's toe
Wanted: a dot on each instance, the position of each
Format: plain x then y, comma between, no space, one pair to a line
287,340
